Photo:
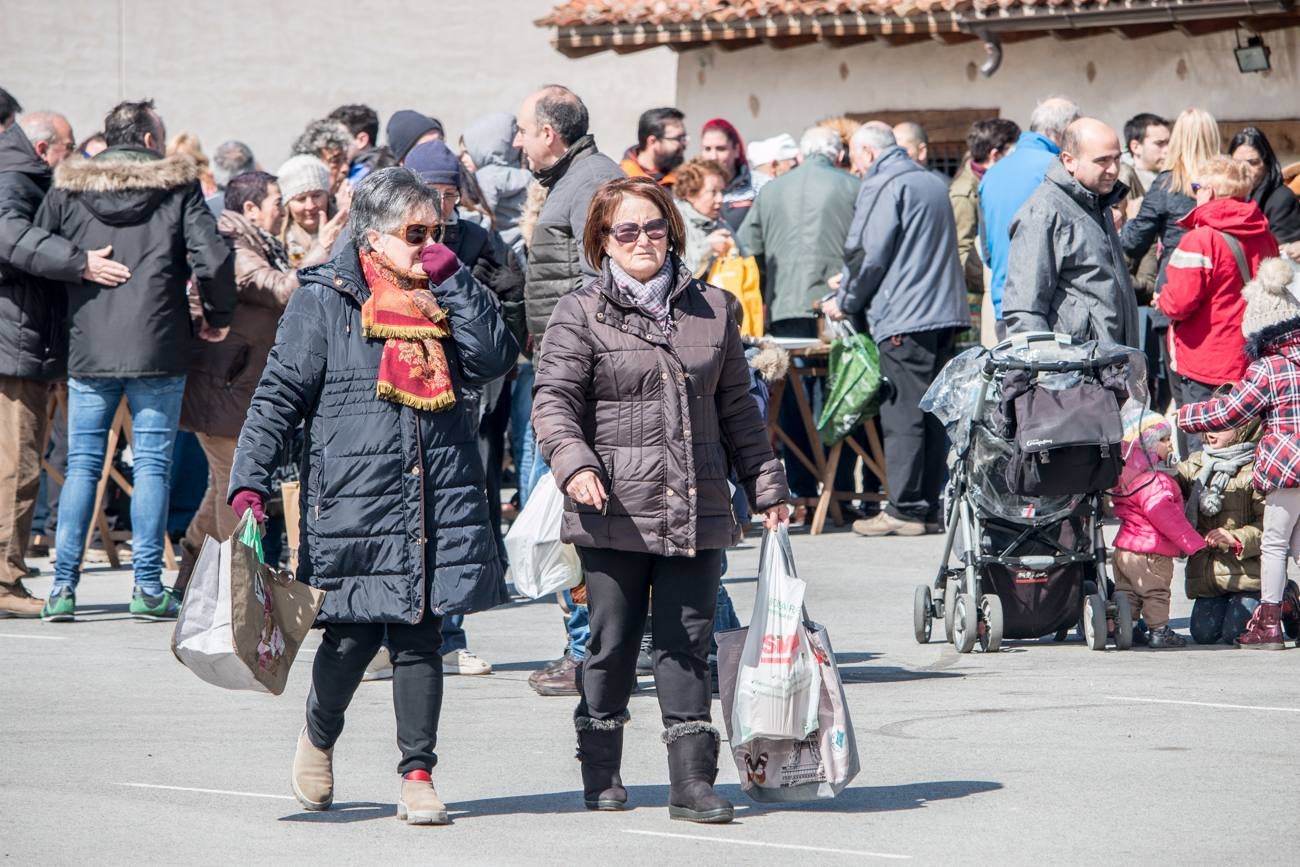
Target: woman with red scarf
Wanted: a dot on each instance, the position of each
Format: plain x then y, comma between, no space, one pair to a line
380,355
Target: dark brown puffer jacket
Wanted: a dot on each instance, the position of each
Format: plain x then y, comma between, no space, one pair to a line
661,420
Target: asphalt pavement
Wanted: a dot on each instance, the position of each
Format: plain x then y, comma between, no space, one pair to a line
111,752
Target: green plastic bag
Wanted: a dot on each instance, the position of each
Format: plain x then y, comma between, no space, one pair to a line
251,535
854,380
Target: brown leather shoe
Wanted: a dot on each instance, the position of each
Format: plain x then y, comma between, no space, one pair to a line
313,774
886,524
420,804
15,601
560,680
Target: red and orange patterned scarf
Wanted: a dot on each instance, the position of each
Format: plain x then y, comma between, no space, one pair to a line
413,369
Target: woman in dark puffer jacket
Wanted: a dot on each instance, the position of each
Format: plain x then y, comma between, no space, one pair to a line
380,354
641,406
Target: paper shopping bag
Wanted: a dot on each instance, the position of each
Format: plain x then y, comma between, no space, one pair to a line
242,622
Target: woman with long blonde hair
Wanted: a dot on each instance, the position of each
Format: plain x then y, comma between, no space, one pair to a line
1194,140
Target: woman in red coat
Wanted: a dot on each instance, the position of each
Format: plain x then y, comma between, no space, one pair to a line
1227,237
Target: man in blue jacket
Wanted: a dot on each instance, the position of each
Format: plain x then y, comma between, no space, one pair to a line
1008,184
901,274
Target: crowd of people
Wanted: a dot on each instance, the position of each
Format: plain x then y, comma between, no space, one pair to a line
411,328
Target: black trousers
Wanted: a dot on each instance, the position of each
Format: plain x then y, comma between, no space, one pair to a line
916,446
685,593
341,660
1189,391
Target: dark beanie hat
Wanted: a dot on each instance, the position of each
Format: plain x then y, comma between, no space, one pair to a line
434,162
405,128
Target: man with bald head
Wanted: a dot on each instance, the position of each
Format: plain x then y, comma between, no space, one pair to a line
33,339
1066,270
552,132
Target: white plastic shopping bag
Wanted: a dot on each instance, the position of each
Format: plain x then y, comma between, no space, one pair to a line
540,564
778,685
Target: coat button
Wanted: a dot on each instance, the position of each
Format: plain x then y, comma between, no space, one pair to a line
338,281
415,470
424,540
669,492
600,317
691,492
663,376
690,552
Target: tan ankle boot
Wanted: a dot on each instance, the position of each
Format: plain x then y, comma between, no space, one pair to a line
313,774
15,601
420,804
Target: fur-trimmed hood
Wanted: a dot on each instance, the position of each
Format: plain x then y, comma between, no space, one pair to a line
769,360
122,185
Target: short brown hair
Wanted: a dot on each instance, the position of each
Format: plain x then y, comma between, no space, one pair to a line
1229,178
600,216
690,178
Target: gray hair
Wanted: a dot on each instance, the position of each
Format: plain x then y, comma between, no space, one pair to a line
823,141
321,135
39,126
231,159
874,134
910,130
1052,116
384,200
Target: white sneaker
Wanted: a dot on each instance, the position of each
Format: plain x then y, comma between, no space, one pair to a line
464,662
380,668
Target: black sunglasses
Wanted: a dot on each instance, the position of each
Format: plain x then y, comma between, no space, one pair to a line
628,233
416,233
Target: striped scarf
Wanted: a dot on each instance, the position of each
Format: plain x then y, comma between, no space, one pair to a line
651,297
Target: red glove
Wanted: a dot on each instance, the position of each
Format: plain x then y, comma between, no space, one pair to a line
246,499
439,262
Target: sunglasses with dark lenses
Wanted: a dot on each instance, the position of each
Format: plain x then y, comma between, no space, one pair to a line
1196,188
416,233
628,233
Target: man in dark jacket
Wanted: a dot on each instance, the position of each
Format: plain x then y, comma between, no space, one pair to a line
552,131
33,343
364,155
902,275
135,340
1066,271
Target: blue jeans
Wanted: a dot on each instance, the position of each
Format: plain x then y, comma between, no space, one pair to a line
578,625
522,445
453,634
1221,619
155,405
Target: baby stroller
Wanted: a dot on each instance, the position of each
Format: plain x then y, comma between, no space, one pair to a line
1035,428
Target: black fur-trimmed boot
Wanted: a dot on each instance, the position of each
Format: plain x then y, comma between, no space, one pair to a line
692,770
600,749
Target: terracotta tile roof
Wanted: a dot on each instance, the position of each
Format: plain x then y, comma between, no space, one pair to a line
593,25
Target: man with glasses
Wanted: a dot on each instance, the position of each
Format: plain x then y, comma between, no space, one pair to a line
33,342
660,146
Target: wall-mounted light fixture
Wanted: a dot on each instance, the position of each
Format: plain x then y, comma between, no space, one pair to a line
1253,56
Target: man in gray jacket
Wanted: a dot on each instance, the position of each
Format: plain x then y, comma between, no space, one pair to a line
1066,271
902,273
552,131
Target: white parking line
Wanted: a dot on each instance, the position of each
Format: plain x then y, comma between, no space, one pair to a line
733,841
1204,704
33,637
206,791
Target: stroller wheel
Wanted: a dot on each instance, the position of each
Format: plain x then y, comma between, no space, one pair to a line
966,623
922,614
991,614
1123,622
1094,621
949,607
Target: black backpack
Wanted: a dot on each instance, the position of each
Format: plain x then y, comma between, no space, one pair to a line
1067,440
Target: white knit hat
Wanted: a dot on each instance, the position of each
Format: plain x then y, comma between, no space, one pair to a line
1271,298
302,174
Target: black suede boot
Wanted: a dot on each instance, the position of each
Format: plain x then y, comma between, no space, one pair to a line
600,749
692,769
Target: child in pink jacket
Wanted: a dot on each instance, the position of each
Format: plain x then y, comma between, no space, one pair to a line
1153,525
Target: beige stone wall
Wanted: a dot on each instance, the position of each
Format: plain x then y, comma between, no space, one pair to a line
260,69
765,91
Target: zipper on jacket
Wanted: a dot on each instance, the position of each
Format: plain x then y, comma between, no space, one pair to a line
424,562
